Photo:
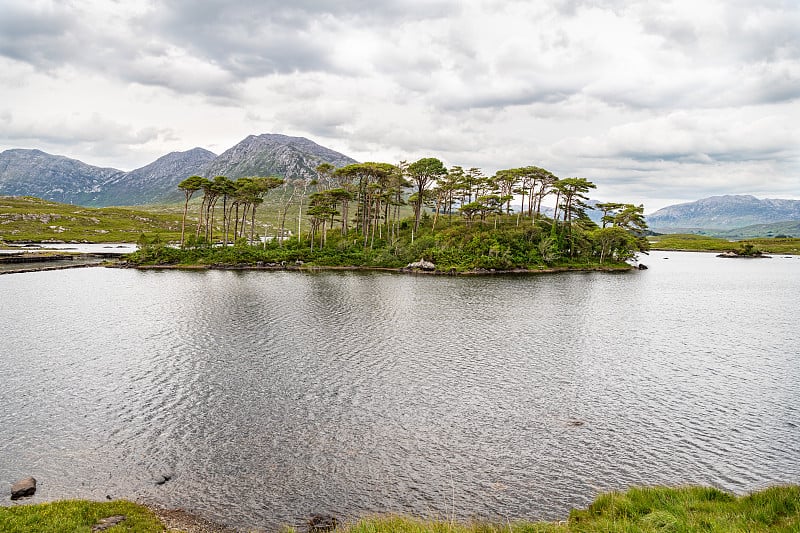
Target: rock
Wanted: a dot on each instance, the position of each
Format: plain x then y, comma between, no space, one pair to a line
322,522
23,487
163,478
642,266
109,521
422,265
575,423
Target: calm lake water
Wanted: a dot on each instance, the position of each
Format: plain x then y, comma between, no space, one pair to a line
269,396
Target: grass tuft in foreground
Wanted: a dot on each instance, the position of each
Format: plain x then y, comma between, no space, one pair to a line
77,516
639,510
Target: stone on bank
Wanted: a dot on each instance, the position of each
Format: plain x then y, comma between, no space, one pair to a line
23,487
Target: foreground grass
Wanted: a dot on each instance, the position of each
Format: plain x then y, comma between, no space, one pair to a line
704,243
645,510
76,516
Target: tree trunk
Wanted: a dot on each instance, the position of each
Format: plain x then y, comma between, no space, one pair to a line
183,222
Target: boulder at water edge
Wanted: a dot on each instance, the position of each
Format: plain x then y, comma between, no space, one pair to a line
22,488
422,265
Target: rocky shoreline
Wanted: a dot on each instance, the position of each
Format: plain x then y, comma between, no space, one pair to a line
319,268
35,268
179,520
403,270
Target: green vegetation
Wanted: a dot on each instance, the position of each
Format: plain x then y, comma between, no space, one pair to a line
32,219
455,244
639,510
356,216
76,516
789,246
644,510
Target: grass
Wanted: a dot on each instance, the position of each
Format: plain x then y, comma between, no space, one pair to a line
24,218
704,243
77,516
639,510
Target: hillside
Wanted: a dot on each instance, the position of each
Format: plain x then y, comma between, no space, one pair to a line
776,229
32,219
61,179
55,177
156,182
718,214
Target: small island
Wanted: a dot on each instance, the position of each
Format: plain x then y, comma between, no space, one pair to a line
417,217
747,250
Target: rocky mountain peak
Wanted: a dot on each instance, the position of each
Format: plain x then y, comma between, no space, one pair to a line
59,178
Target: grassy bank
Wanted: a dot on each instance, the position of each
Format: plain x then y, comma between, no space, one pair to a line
704,243
24,218
646,510
77,516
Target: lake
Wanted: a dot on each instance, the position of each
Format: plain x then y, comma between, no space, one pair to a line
270,396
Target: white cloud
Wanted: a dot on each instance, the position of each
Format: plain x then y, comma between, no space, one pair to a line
657,100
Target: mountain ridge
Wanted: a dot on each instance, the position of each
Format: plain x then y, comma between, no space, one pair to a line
723,213
33,172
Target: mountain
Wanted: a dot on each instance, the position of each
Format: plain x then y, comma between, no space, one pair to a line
776,229
69,181
58,178
156,182
723,213
54,177
273,154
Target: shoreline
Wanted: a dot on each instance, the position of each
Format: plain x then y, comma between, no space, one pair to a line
400,270
310,269
48,268
645,508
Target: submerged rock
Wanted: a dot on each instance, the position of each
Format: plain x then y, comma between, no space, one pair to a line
322,522
23,487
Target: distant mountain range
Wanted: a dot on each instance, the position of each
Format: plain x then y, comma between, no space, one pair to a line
60,179
729,214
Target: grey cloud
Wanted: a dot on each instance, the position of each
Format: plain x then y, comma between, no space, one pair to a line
93,129
504,97
255,38
39,37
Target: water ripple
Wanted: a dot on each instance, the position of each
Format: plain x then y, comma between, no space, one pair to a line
270,396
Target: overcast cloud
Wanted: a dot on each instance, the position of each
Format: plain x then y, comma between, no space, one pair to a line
655,101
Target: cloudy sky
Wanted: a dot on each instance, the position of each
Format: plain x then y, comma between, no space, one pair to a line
656,101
